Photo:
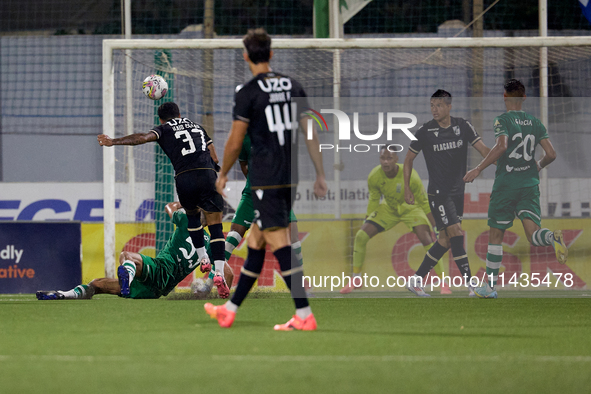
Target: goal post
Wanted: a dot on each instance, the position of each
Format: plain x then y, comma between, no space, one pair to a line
385,57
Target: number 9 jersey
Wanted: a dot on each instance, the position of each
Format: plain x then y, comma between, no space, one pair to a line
273,120
517,167
185,143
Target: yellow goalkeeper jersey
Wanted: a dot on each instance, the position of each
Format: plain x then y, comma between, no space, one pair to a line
392,189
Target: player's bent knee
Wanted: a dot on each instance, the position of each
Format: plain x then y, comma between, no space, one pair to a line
362,237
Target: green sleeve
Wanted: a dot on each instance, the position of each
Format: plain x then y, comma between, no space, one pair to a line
500,127
416,186
542,131
180,219
374,194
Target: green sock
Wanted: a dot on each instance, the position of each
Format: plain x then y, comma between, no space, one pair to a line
494,258
542,237
297,249
232,240
130,267
361,239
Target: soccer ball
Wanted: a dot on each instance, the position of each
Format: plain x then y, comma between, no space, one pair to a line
201,286
154,87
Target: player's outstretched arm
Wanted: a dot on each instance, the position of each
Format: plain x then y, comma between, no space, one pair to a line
409,197
313,146
132,139
549,153
495,153
231,152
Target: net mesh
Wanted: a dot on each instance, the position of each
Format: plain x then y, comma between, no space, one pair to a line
468,73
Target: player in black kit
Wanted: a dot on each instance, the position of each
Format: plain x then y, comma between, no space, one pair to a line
263,108
194,159
444,142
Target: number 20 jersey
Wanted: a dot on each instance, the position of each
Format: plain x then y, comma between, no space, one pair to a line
516,168
185,143
265,104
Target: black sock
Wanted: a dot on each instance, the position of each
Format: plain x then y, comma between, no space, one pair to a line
217,242
248,274
196,231
460,256
293,274
434,254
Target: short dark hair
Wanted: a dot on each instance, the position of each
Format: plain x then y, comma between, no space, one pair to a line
446,96
514,88
258,45
169,111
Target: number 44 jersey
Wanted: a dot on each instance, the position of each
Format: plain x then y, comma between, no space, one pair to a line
185,143
265,103
517,167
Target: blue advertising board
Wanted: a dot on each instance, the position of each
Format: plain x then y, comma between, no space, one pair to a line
39,256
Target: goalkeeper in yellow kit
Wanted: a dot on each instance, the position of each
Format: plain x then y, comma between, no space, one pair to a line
387,180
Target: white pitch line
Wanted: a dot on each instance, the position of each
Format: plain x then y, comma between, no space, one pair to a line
306,358
401,358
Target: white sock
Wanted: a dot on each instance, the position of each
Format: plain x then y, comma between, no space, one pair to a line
130,267
232,241
304,312
70,294
231,306
219,266
77,292
202,252
297,248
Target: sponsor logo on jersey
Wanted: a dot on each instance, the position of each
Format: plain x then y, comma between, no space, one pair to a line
517,169
269,85
526,122
398,188
447,146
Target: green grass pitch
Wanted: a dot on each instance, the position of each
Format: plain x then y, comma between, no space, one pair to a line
402,344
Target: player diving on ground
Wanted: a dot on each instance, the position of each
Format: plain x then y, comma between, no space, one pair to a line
148,277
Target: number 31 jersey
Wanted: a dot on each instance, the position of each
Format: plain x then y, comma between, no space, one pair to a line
265,104
517,167
185,143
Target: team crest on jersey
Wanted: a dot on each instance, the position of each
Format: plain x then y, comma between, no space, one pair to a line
456,130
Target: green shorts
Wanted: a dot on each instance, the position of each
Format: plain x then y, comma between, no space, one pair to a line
157,278
244,215
505,205
386,217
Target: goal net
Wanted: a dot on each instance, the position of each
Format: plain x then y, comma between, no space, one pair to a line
367,76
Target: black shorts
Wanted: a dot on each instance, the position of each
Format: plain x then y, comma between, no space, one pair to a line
272,206
446,209
196,188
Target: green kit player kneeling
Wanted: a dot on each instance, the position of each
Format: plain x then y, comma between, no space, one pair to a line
142,276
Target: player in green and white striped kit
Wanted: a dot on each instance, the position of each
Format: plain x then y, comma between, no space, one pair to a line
516,189
148,277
